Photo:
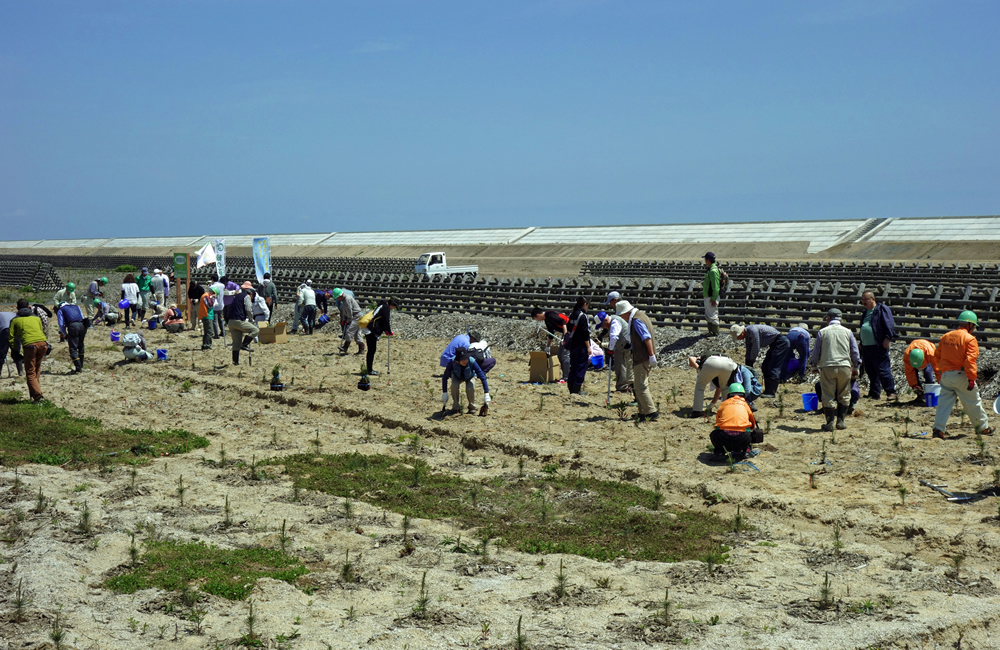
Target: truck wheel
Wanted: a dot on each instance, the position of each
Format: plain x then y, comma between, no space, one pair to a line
469,277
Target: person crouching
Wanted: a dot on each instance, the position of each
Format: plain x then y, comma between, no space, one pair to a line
735,426
463,369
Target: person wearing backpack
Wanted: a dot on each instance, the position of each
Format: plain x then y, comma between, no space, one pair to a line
556,326
711,291
378,324
134,347
207,313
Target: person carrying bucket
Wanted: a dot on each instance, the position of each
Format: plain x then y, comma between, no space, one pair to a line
957,354
920,355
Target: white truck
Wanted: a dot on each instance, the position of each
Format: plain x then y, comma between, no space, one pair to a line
435,264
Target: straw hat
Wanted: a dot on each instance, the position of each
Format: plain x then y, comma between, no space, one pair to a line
735,331
622,307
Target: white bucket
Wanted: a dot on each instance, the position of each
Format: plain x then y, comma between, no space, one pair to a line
934,389
996,406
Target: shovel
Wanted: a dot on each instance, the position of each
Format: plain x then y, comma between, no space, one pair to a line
940,488
611,363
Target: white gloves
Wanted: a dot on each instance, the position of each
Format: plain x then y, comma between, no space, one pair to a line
444,400
652,361
487,398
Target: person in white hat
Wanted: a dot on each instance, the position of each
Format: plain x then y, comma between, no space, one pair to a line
640,330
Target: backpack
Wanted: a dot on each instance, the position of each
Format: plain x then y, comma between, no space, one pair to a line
365,320
723,279
131,340
480,351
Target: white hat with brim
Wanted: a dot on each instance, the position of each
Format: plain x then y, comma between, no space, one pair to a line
735,331
622,306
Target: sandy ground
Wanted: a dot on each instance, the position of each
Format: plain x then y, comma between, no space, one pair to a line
896,554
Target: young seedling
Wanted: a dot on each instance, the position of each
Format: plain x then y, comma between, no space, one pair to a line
562,581
316,443
347,570
895,439
414,443
957,561
838,543
543,507
474,493
664,449
40,502
350,614
85,525
57,633
781,405
822,454
657,495
737,521
812,480
825,592
20,602
416,475
541,403
981,444
283,538
420,608
520,641
767,426
181,489
520,466
251,638
227,519
901,468
133,551
296,491
15,488
348,508
222,455
730,462
902,493
405,525
133,474
664,609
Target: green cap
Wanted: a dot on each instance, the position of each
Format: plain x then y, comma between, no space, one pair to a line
104,280
916,358
72,287
336,293
97,301
969,317
736,388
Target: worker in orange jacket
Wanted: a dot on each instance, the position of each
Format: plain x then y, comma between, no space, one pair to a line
957,353
735,425
920,355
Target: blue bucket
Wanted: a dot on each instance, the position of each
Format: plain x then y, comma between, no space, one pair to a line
930,399
115,336
161,355
597,363
810,401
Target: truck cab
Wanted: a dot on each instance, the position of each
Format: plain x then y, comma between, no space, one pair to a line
435,264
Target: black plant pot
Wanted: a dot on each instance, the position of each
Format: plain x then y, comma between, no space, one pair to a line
277,387
364,384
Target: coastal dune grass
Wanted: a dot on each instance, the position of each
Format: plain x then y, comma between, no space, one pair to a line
602,520
47,434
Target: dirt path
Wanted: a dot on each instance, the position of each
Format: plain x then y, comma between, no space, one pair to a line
893,582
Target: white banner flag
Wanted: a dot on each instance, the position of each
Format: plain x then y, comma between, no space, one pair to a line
206,256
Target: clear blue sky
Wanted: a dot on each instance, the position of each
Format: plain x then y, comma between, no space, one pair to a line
225,116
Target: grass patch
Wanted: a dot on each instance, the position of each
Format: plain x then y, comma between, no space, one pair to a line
47,434
175,566
555,514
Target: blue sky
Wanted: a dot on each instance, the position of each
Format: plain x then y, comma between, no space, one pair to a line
190,117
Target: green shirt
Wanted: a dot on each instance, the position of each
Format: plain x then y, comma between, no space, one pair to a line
144,282
867,333
710,285
27,329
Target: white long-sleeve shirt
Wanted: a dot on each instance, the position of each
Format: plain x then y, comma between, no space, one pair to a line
260,307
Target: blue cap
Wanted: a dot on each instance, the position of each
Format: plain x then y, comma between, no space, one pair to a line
599,318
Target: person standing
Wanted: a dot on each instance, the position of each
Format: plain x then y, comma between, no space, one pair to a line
619,346
350,314
145,283
270,291
298,306
26,331
157,286
94,292
799,340
640,330
462,369
207,313
836,354
194,294
378,325
579,345
307,308
920,362
757,338
711,289
555,322
130,299
5,318
877,331
958,356
73,330
219,306
241,327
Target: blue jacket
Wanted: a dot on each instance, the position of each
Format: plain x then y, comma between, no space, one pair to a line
456,371
883,325
68,314
460,341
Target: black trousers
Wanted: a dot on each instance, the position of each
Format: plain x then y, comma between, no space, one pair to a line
736,444
579,359
774,363
75,333
372,341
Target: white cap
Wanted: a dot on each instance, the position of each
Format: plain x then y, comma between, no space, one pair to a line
157,271
614,295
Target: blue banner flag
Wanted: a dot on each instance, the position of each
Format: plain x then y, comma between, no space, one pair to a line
262,257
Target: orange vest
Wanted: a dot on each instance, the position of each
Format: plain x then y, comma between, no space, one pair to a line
958,350
203,307
734,414
930,356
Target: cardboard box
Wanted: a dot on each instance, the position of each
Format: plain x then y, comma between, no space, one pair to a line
541,368
273,334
